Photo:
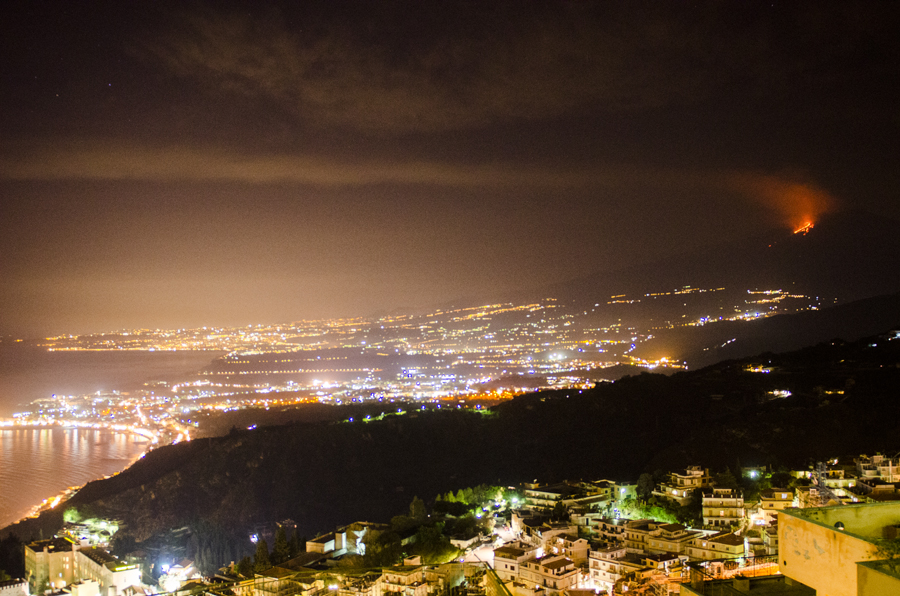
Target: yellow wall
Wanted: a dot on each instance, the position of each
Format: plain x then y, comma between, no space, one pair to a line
820,556
873,582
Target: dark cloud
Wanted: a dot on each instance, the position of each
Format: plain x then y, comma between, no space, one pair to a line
482,65
419,67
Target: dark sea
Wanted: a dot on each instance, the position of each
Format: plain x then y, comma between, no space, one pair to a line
38,464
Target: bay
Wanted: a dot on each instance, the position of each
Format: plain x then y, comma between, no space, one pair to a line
40,463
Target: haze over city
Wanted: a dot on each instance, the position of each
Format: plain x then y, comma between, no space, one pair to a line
177,166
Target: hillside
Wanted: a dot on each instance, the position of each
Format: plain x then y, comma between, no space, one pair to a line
701,346
847,256
843,401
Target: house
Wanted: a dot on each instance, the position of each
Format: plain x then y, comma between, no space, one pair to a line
875,489
547,496
554,573
669,539
406,580
769,584
610,563
509,557
366,585
328,543
14,587
770,539
833,550
773,500
570,546
611,529
650,537
878,466
680,487
624,490
722,507
276,581
724,545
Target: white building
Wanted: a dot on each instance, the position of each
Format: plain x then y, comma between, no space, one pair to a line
509,557
722,507
552,573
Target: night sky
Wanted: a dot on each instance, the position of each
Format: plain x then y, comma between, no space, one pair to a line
181,164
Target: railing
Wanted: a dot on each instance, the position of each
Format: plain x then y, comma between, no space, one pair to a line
708,577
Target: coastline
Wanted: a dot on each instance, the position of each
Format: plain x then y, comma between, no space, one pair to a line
67,493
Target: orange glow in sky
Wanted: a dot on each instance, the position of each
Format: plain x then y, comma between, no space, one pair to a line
798,203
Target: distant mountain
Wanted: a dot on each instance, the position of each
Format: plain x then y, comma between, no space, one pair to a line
702,346
845,256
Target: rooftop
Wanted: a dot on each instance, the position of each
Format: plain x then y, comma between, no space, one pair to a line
755,586
557,563
98,555
52,545
863,520
729,539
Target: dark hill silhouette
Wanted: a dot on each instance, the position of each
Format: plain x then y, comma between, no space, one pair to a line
702,346
847,255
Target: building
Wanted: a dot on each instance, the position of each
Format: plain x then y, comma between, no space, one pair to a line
680,487
650,537
771,584
59,562
14,587
773,500
551,573
833,549
878,466
49,564
406,580
722,507
770,539
114,576
724,545
569,546
612,530
509,557
611,563
547,496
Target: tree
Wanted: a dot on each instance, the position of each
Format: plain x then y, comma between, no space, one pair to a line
781,480
294,545
261,560
691,514
401,523
417,509
889,549
383,549
559,511
281,551
726,480
71,515
245,567
645,485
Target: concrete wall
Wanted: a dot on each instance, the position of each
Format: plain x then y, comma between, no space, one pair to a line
874,580
813,552
865,520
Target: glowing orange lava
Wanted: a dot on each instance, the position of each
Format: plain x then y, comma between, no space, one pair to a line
804,228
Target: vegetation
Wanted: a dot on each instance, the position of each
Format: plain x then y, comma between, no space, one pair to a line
889,549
